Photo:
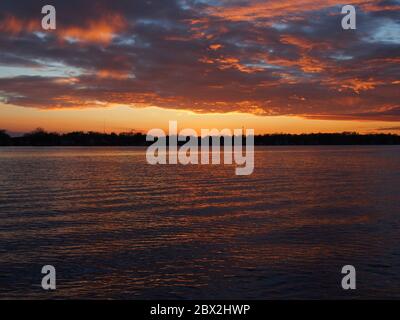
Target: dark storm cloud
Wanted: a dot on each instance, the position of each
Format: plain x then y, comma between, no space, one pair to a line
263,57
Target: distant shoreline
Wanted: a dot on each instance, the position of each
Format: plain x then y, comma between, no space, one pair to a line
40,138
256,146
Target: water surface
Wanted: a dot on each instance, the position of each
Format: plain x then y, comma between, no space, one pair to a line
115,227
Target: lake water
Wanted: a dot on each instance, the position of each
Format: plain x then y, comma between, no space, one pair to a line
116,227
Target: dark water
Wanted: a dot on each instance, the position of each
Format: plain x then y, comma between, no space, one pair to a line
115,227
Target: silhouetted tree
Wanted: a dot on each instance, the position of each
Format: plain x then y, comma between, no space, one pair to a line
40,137
5,139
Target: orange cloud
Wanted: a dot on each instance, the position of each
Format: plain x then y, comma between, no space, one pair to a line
274,9
224,63
14,26
97,31
215,47
303,43
360,85
112,74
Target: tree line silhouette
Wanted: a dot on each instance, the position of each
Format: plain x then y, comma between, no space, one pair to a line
40,137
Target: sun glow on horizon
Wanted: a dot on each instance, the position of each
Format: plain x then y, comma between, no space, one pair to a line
125,119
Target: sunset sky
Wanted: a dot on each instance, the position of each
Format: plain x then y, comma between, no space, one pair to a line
275,66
